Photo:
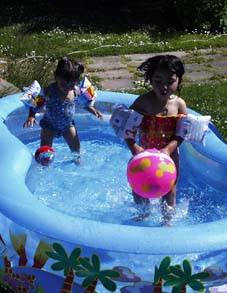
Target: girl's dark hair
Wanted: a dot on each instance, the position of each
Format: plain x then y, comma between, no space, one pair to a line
68,69
167,62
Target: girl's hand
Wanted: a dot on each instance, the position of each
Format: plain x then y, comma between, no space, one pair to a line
95,112
98,114
133,146
30,122
136,149
165,151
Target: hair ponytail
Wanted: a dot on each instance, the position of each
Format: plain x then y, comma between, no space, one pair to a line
69,69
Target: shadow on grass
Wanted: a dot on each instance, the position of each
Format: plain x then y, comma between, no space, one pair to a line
90,16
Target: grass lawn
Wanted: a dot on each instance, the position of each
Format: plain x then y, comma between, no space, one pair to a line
32,48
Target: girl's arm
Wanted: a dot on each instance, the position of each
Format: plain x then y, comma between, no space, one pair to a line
94,111
182,107
35,105
31,119
133,146
131,143
172,145
176,140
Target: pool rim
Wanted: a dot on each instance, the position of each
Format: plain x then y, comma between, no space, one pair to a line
114,237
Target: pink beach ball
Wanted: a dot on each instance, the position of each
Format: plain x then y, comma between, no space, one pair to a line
151,173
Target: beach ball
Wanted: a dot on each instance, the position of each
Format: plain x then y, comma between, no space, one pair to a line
151,173
44,155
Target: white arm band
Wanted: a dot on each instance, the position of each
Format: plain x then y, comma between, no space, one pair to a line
125,122
31,94
193,128
87,95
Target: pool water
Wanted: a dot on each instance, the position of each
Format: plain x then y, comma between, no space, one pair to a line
98,188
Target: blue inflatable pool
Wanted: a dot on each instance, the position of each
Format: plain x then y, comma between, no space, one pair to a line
19,206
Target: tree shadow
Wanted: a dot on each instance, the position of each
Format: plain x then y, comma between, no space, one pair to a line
86,15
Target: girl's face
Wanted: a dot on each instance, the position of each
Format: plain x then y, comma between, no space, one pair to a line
164,83
65,85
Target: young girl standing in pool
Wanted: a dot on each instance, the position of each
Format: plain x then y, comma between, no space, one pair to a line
60,103
160,109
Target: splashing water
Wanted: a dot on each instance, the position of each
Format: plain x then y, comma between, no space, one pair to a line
98,188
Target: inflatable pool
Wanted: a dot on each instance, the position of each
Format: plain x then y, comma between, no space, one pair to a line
19,205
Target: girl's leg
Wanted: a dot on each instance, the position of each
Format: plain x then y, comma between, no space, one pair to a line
72,139
139,199
143,205
170,198
47,137
168,202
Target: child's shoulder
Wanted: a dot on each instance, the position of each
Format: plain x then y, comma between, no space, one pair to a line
143,98
141,102
176,99
179,103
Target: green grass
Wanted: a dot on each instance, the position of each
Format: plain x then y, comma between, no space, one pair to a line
32,50
16,41
209,99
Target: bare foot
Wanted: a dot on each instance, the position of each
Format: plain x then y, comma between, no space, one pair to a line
167,214
77,159
143,212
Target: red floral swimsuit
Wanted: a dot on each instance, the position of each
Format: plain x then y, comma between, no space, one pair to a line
156,131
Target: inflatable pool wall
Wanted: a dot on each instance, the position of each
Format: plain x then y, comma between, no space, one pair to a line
20,209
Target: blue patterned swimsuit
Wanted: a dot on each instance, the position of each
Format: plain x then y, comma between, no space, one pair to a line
59,114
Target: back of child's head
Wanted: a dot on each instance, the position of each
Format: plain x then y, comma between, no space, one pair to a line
69,69
169,63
